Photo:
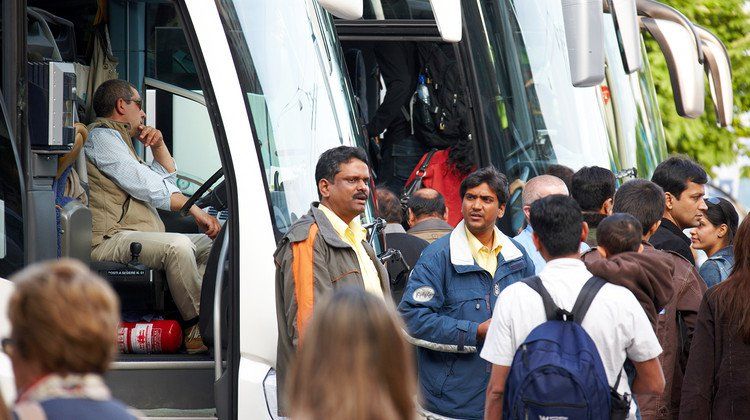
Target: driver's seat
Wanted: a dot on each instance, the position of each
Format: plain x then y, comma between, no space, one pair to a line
141,289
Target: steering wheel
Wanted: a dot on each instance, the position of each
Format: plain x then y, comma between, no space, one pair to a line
201,191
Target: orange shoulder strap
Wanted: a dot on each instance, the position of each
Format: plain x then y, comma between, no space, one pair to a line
302,270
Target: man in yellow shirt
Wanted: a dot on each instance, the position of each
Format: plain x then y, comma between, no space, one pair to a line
323,250
451,294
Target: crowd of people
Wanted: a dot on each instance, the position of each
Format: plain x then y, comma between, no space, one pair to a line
596,305
595,309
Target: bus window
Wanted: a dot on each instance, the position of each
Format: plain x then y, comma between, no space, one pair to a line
174,99
290,96
168,57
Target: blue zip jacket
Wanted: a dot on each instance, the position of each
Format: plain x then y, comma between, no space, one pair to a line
446,298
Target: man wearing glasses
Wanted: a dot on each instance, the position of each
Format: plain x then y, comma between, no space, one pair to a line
125,192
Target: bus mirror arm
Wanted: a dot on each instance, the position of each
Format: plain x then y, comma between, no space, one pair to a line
655,10
685,72
718,68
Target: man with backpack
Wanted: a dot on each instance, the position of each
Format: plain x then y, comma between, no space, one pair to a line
558,341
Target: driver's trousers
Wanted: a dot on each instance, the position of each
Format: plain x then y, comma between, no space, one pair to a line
182,256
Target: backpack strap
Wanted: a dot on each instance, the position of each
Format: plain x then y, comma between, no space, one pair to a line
585,297
550,309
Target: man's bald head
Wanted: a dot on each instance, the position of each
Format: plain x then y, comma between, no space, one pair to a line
426,203
427,193
542,186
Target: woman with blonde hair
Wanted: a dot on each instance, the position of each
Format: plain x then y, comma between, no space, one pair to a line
64,326
354,363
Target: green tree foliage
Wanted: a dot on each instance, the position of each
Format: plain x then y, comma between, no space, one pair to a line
701,138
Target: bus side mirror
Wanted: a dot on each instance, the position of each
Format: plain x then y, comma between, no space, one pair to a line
719,71
655,10
344,9
448,18
584,35
677,43
625,17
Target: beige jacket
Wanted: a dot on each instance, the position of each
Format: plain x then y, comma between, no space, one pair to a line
112,209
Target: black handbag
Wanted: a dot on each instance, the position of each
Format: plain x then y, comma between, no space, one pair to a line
620,403
416,184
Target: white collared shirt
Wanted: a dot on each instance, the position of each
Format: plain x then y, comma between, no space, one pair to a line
615,321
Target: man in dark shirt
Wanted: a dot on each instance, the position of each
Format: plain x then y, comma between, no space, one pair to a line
400,152
411,247
683,183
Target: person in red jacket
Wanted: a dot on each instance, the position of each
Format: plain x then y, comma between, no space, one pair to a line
444,173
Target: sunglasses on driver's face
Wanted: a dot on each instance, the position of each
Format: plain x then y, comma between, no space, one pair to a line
138,102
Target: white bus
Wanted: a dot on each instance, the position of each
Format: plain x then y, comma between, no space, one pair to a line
252,92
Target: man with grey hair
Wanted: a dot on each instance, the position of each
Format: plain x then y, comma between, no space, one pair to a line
535,189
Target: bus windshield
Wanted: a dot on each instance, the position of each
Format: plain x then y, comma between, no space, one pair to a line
296,95
572,116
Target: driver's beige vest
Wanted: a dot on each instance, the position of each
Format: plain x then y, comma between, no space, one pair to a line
112,209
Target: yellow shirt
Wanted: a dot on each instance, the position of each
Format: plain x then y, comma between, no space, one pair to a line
485,257
353,234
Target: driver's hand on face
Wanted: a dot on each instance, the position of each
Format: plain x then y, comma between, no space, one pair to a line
207,223
150,136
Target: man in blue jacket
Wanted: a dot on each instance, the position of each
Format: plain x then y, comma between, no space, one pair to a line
448,301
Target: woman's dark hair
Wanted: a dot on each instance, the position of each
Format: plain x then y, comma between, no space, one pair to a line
722,212
495,179
734,292
461,155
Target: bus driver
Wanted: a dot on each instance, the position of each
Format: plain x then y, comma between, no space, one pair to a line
125,192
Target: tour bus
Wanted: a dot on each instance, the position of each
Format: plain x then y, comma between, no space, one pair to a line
251,92
247,93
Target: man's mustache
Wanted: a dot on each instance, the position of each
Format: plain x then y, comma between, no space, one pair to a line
360,196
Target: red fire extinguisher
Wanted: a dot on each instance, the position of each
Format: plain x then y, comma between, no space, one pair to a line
149,337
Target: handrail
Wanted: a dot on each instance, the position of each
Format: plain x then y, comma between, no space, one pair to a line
217,302
175,90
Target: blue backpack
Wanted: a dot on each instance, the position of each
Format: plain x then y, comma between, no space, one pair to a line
557,372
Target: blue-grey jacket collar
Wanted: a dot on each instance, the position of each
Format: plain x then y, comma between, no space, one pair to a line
461,257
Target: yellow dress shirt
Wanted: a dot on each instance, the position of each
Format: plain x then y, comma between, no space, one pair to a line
353,234
485,257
